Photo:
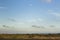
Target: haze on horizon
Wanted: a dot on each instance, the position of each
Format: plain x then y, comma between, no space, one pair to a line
29,16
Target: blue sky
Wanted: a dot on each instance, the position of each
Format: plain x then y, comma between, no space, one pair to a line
20,15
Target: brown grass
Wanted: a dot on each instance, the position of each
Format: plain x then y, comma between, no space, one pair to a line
29,36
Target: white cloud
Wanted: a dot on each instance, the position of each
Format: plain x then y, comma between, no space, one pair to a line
56,14
48,1
50,10
32,20
35,20
39,19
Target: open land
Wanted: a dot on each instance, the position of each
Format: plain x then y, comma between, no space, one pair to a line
29,36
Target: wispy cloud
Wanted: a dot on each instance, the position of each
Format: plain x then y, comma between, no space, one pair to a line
30,4
53,12
48,1
52,26
5,26
38,26
56,14
2,7
35,26
35,20
11,19
50,10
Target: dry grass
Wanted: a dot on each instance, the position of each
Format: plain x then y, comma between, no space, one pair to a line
29,36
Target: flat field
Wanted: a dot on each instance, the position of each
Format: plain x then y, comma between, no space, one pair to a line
29,36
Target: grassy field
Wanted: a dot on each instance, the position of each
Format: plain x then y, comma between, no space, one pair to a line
30,36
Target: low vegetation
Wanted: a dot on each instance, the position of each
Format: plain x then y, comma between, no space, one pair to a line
29,36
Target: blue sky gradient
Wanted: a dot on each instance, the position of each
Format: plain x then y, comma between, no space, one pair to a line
20,15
